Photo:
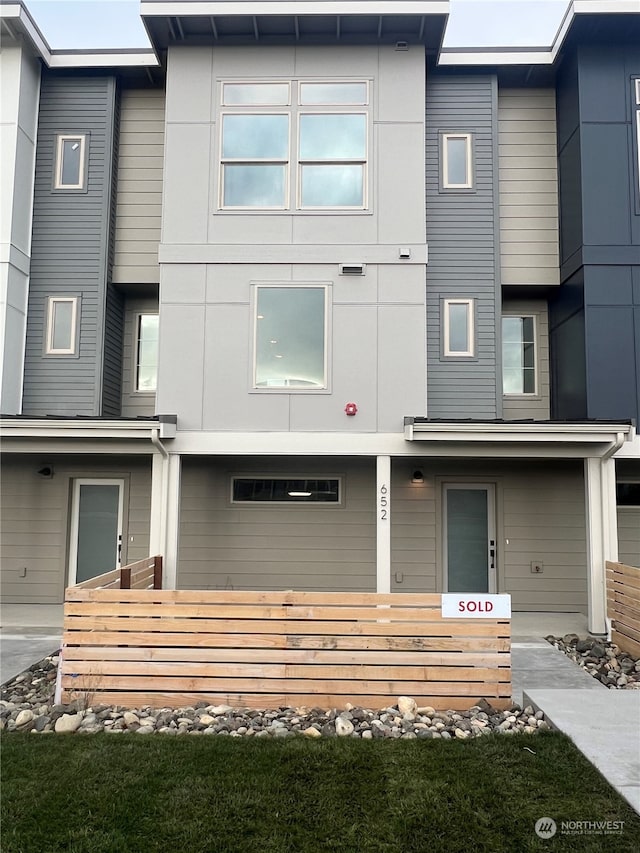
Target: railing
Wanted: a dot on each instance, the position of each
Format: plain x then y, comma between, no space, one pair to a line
144,574
623,606
269,649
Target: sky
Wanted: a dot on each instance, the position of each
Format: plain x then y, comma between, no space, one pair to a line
116,23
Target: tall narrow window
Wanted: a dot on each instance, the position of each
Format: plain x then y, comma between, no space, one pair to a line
290,337
70,162
147,353
518,355
62,318
457,171
333,152
255,152
458,327
637,88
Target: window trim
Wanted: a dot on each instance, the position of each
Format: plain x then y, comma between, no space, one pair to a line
470,352
293,164
536,371
636,82
52,301
135,350
61,138
445,136
286,389
296,476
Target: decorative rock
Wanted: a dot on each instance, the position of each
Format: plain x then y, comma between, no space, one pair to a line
311,732
131,719
23,718
344,727
219,710
407,705
68,723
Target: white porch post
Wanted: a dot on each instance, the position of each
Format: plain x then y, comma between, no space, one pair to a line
170,563
158,519
602,535
383,524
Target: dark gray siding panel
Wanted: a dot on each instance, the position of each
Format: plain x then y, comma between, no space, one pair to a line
461,234
70,244
567,351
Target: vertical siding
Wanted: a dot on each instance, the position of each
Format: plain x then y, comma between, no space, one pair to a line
139,188
36,513
231,546
134,404
461,234
70,245
529,251
537,405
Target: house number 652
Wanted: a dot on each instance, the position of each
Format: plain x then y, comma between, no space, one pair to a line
384,502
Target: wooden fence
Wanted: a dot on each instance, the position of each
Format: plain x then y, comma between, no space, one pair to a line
145,574
272,649
623,606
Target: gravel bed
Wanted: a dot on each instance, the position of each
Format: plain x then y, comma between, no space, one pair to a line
605,661
27,704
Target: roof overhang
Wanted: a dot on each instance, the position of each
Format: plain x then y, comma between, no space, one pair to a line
18,27
518,439
583,19
173,22
22,433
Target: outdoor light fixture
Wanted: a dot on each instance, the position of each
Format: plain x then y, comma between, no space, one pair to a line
46,471
417,477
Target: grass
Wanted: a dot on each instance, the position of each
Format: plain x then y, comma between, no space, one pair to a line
127,794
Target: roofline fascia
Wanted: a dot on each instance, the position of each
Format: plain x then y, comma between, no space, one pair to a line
189,8
72,429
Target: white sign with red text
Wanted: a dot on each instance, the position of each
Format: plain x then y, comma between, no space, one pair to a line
475,605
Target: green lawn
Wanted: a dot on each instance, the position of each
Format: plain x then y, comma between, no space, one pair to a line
131,794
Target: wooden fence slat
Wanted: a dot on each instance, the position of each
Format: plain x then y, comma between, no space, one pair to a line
623,606
629,645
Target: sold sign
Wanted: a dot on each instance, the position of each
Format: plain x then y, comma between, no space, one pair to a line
476,606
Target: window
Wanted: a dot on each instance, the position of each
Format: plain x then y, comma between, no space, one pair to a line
457,171
285,490
70,167
458,327
628,494
295,145
518,355
147,353
62,323
290,337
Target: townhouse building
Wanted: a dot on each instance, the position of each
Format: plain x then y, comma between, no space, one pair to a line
302,300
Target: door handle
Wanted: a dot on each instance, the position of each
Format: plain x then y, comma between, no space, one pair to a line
120,550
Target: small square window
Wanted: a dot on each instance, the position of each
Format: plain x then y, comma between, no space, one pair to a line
290,337
62,325
628,494
518,355
70,164
147,353
457,170
458,328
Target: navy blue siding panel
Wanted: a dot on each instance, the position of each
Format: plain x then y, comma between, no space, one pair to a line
567,351
461,235
606,185
70,244
610,332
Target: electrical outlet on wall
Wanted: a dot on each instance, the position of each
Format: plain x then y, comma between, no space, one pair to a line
537,567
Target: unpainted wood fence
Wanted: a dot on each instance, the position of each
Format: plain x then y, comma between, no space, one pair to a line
144,574
623,606
136,647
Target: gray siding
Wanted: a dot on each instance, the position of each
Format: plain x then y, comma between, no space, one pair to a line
540,514
232,546
534,406
629,535
139,188
114,321
70,245
36,515
134,403
528,187
461,234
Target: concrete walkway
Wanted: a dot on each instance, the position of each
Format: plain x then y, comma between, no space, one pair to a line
28,633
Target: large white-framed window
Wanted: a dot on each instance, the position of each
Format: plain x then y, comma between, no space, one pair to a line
61,335
290,337
457,161
519,356
458,323
294,144
70,161
306,489
146,349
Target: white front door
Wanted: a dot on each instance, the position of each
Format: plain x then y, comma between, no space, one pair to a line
96,528
469,537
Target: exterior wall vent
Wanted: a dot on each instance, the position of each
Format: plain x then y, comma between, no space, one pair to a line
353,269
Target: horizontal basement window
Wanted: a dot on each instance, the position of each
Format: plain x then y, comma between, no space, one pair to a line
284,490
628,494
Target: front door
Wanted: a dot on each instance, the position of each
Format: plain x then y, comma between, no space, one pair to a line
469,537
96,528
